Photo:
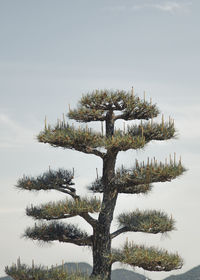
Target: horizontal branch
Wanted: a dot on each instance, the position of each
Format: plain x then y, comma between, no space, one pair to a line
153,131
64,209
86,141
135,189
142,174
148,221
50,180
118,232
66,136
138,110
58,231
98,187
151,259
139,178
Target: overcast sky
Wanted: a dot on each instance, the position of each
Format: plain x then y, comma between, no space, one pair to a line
53,51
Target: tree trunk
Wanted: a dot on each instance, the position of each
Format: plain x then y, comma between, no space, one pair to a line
101,235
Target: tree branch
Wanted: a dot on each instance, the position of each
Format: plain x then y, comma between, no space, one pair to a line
66,136
89,150
119,117
68,233
151,258
89,219
80,242
118,232
73,194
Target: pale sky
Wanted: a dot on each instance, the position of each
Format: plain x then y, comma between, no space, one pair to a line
52,51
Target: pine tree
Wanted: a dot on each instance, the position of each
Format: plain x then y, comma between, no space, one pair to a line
107,107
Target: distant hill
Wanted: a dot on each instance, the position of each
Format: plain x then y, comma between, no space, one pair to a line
193,274
124,274
117,274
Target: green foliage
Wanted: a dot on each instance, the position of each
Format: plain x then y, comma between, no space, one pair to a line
149,221
86,115
153,131
66,136
151,259
55,231
108,106
47,181
152,172
23,272
124,142
93,106
64,209
98,187
82,139
139,178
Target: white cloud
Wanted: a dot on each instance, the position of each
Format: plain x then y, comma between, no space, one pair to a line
164,6
13,134
172,7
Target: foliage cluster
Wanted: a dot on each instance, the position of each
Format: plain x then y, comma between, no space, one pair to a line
24,272
150,258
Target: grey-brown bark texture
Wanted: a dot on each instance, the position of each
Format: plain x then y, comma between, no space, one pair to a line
107,106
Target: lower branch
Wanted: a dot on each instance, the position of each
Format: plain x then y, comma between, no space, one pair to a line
151,259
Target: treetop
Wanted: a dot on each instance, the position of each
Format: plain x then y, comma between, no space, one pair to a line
94,106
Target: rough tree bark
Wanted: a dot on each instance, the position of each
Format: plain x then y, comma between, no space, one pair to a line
101,234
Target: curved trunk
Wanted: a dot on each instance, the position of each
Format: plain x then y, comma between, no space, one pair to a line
101,234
